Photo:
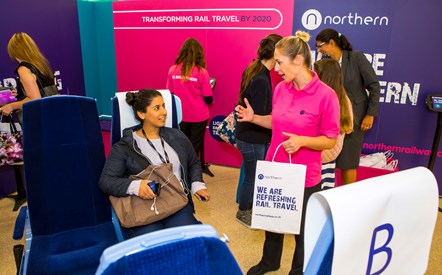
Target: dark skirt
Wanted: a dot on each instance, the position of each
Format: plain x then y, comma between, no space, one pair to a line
352,148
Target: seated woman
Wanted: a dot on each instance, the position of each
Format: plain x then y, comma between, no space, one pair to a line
158,144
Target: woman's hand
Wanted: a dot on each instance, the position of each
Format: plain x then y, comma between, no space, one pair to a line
7,109
245,114
202,193
293,144
367,123
13,92
145,192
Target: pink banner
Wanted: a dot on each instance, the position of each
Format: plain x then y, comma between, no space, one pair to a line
149,34
227,19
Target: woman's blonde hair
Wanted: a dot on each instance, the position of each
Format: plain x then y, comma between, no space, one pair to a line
292,46
330,73
22,47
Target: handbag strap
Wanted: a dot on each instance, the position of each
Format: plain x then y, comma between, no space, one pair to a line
388,154
10,119
290,155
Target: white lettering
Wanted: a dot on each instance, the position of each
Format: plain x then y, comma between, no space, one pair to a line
231,18
377,63
186,78
368,20
399,93
202,18
356,20
412,96
168,19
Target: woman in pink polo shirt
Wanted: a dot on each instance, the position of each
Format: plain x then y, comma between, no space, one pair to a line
305,119
189,80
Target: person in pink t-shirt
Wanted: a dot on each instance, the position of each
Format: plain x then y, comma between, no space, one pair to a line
305,119
189,80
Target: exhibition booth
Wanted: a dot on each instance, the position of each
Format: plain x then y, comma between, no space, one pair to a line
127,45
100,48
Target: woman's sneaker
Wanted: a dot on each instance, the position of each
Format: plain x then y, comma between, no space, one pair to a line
244,218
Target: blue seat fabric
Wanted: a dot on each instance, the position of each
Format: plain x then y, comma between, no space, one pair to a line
64,156
200,255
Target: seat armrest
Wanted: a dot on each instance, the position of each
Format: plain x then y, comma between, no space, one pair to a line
117,226
19,226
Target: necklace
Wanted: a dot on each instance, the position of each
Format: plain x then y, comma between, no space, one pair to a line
162,144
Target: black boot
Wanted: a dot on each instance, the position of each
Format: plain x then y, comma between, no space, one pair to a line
206,170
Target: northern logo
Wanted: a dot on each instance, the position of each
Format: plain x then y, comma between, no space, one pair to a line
313,19
261,177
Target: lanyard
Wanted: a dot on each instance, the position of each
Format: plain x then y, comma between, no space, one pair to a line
162,144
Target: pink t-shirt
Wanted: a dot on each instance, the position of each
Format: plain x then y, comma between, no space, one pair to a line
312,111
191,92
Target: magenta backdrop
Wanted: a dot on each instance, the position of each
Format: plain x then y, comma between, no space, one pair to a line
145,50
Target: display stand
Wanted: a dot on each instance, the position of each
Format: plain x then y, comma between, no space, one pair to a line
20,197
434,103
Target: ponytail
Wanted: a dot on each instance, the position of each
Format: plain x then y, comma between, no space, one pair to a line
252,70
330,34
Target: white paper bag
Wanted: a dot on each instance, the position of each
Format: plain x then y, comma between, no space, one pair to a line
278,196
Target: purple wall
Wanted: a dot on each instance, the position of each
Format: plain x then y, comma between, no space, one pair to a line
53,24
402,37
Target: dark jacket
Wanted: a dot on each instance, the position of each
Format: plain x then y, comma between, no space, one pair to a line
359,76
259,94
120,164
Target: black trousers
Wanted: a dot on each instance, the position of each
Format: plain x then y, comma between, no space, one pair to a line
273,243
195,132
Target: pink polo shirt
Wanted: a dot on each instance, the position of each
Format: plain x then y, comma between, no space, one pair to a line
312,111
191,92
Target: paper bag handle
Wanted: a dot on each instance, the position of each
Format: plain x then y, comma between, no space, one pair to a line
290,155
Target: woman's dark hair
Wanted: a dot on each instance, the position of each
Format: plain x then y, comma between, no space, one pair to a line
265,52
141,100
330,34
330,73
191,54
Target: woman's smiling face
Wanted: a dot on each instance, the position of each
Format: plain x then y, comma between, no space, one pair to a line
156,113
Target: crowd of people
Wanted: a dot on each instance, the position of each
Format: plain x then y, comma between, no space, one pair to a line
318,113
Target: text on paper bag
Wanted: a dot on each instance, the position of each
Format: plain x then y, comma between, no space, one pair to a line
274,198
